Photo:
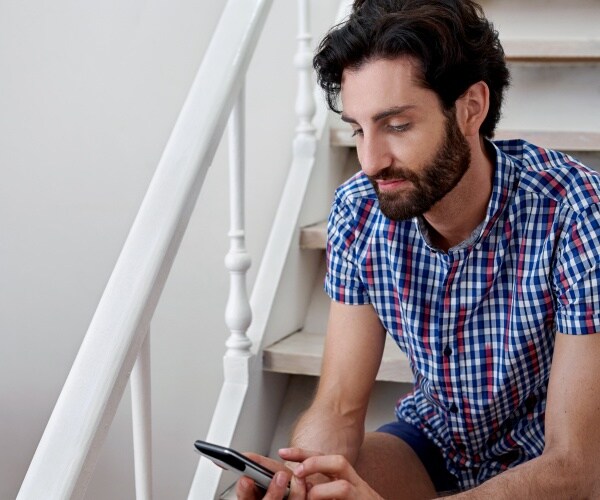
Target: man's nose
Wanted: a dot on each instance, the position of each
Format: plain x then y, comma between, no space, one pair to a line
373,154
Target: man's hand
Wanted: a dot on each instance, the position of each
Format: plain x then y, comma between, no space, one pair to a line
343,481
317,477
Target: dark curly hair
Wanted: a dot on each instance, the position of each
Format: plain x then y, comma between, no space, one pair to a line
455,45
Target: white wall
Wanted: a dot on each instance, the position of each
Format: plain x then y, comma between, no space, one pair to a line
89,92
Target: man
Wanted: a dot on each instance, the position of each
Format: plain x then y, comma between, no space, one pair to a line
479,258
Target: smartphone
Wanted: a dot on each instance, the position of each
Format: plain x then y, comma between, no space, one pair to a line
229,459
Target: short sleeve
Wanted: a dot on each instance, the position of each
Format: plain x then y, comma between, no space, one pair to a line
342,281
577,275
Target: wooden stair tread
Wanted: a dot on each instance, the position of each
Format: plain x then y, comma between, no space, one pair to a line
317,236
341,135
555,139
301,353
314,237
556,50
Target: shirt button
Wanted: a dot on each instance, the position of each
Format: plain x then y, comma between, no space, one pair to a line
454,408
447,351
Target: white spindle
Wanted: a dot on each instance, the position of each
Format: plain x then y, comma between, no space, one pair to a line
238,314
142,422
305,101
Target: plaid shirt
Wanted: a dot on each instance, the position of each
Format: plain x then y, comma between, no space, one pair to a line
478,323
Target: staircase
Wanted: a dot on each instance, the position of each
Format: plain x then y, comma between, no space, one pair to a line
271,366
554,58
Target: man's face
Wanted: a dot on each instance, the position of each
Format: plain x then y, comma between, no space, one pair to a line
412,152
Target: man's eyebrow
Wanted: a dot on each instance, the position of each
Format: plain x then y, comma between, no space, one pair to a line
396,110
347,119
393,111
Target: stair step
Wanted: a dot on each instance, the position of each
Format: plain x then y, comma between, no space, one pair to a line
557,50
341,135
301,353
555,139
314,237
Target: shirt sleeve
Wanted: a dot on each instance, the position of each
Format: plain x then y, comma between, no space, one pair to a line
577,276
342,281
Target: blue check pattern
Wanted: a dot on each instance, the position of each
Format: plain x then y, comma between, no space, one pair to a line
478,323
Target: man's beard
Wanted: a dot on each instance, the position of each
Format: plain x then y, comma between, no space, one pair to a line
432,183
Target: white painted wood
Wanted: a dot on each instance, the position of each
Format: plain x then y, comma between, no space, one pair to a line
317,315
301,353
245,402
238,317
67,452
141,416
238,314
207,481
305,141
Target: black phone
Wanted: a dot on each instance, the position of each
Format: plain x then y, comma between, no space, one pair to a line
233,460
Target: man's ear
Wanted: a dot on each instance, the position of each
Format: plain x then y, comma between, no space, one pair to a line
472,108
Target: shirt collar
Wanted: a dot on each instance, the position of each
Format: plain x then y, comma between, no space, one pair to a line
503,187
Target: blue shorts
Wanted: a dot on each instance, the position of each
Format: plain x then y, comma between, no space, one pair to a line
429,454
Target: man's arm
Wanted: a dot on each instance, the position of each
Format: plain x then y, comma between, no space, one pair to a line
569,467
334,423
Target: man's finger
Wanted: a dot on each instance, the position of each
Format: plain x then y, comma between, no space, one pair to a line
297,454
335,466
297,489
335,489
245,489
278,487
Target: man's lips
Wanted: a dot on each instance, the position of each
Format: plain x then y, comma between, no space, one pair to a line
389,184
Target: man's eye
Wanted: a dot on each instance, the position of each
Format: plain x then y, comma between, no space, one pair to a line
357,131
399,128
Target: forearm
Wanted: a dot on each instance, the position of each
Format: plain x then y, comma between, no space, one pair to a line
323,429
548,477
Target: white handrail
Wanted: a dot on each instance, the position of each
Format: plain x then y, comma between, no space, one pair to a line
67,453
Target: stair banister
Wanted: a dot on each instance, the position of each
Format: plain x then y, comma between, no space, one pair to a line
141,419
237,312
305,100
242,375
67,453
